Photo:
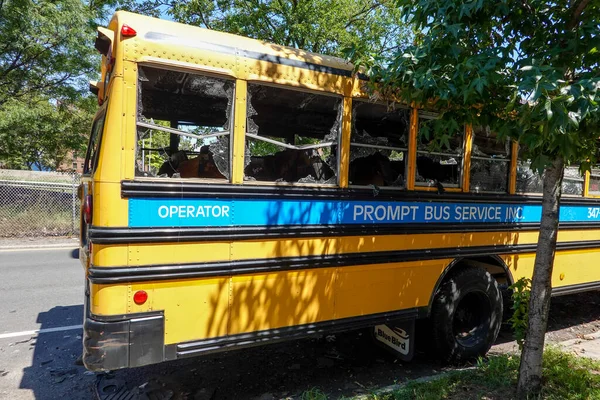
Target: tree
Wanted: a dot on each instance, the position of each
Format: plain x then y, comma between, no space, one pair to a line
46,48
530,70
46,56
322,26
39,132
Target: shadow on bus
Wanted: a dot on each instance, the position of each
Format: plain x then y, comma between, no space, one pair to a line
53,352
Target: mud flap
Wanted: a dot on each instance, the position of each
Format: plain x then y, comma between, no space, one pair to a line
399,339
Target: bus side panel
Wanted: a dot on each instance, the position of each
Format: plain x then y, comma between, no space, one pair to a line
193,308
275,300
575,267
141,254
370,289
572,268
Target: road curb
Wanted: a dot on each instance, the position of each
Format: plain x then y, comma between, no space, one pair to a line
585,339
73,245
395,387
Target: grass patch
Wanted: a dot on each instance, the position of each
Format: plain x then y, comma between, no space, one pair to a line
565,376
313,394
36,221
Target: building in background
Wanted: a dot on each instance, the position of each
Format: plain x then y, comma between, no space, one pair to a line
73,162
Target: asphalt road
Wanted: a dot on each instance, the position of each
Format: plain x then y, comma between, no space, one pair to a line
32,280
41,290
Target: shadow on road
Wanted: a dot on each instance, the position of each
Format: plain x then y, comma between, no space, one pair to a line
53,373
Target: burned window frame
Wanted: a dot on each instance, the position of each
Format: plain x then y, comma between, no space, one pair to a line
419,185
325,144
229,133
355,102
506,160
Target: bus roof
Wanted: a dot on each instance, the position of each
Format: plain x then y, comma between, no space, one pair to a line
169,32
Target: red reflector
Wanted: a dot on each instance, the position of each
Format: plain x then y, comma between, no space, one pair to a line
140,297
87,209
127,31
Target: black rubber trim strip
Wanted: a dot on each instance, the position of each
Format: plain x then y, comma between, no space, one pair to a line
294,332
101,235
181,189
108,275
571,289
234,51
123,317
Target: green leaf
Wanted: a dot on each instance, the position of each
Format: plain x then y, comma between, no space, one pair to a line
548,107
574,118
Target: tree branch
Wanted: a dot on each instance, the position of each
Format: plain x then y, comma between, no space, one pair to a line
204,21
526,6
365,10
578,9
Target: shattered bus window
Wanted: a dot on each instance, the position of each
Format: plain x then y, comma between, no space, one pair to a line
292,136
378,145
572,183
439,162
490,162
528,180
184,124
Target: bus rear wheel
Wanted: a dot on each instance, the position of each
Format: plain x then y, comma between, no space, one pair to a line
466,315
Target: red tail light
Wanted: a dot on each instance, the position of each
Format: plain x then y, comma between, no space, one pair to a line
127,31
87,209
140,297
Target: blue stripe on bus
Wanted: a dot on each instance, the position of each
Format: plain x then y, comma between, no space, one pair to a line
158,212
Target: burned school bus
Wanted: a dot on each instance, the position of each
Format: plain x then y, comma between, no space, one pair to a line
238,193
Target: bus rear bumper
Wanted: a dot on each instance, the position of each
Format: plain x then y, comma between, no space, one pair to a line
109,345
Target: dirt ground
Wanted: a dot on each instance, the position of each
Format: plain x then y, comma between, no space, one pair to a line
342,365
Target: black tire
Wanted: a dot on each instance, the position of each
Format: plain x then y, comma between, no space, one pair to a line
466,315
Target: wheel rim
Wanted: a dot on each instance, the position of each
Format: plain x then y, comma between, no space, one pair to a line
470,321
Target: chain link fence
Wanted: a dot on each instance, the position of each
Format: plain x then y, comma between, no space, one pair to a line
34,203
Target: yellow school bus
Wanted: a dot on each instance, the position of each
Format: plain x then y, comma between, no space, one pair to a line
238,193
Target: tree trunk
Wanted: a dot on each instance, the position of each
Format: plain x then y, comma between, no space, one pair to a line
530,370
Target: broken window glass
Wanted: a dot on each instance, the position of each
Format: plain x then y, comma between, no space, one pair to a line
184,124
291,136
572,183
529,181
439,160
378,144
490,162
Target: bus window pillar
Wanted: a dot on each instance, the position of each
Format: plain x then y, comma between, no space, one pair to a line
239,132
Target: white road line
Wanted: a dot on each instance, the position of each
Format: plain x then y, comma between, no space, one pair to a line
37,331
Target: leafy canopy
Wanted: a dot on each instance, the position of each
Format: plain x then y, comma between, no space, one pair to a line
322,26
46,56
40,133
46,48
529,69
